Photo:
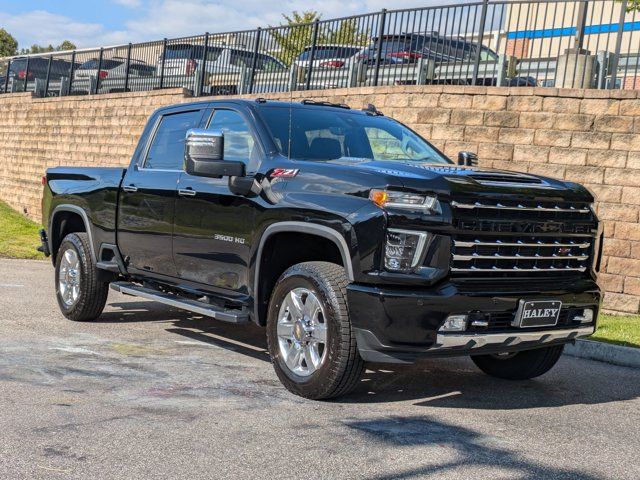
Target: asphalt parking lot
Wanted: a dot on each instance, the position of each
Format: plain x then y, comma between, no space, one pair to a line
153,392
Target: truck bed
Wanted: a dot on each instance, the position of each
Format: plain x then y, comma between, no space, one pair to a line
91,192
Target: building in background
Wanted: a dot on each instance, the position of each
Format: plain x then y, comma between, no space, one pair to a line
548,29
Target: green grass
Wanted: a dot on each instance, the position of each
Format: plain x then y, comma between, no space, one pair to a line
618,329
18,235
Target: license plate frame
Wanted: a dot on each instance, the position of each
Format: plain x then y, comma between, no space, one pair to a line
537,313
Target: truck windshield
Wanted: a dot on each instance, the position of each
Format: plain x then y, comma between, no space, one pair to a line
329,134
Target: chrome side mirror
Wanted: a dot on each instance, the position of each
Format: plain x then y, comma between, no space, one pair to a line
204,155
467,159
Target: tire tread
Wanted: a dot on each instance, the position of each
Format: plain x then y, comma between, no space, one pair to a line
347,368
523,366
94,292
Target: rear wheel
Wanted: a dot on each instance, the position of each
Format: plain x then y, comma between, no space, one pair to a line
519,365
311,342
81,295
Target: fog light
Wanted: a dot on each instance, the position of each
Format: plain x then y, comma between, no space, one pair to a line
585,317
403,249
454,323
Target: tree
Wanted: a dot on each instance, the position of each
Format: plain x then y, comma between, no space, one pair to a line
8,44
66,45
297,34
36,49
293,40
347,33
632,5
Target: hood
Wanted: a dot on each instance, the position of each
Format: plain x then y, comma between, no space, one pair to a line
454,180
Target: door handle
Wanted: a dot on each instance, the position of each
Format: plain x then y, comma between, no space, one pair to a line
130,188
187,192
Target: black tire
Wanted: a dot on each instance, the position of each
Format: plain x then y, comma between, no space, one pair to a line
92,292
519,365
342,367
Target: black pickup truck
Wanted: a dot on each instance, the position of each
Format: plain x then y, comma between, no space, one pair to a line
346,234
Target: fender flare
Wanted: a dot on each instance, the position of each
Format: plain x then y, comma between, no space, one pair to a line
300,227
65,207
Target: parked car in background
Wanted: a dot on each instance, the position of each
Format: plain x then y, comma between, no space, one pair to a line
453,58
410,47
329,56
114,67
222,64
37,69
184,59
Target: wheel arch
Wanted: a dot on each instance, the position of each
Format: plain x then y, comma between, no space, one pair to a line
65,219
324,232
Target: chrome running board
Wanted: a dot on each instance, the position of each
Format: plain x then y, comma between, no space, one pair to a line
202,308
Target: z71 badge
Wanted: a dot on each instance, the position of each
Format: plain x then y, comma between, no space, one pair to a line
284,173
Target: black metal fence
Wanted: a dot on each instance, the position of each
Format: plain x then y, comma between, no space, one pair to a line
563,43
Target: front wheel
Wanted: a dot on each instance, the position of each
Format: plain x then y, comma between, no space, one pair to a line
519,365
80,293
309,334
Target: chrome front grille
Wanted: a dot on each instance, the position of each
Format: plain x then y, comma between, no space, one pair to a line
530,254
510,238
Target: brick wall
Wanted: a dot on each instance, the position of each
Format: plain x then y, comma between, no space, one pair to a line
587,136
36,134
631,83
518,47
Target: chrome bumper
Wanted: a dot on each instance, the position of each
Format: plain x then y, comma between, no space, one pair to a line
471,341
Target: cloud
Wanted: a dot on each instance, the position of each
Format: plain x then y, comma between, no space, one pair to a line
128,3
54,29
167,18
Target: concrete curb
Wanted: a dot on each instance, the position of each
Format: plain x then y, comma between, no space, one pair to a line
605,352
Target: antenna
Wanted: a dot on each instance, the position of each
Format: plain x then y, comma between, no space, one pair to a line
291,86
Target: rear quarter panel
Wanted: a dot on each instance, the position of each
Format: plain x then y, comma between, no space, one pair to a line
93,190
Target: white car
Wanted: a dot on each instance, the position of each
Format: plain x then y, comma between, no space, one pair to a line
185,59
113,68
329,56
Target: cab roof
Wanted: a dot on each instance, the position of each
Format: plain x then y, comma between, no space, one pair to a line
261,103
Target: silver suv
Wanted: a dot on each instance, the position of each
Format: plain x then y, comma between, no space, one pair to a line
184,59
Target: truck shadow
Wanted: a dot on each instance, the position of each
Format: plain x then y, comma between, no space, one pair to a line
457,383
461,449
440,383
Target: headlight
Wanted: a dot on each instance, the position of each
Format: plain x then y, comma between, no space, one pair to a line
403,249
405,201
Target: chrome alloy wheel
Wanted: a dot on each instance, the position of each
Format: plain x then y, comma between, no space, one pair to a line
302,332
69,277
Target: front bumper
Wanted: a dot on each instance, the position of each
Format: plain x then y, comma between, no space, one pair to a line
401,325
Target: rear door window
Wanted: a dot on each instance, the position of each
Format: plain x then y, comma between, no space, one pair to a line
268,63
167,147
105,64
183,51
193,52
241,58
142,70
323,53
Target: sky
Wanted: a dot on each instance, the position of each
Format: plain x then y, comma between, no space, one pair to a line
111,22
